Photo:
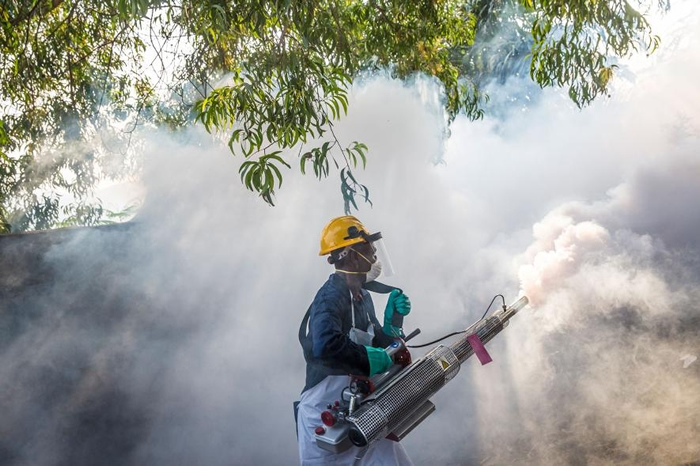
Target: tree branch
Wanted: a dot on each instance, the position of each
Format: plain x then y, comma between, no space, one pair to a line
36,11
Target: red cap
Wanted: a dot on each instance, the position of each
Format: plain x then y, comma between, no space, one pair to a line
320,430
328,418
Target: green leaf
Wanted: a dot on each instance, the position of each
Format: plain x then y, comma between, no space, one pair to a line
278,173
274,156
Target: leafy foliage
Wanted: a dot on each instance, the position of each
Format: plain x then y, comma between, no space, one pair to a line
63,71
573,40
77,78
291,64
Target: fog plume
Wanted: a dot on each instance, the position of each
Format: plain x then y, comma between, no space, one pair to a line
173,339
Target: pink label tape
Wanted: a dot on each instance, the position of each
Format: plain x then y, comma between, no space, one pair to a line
479,349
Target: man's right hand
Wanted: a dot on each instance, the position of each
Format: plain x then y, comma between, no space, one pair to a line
379,360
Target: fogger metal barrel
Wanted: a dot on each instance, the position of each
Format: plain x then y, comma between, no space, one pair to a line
387,410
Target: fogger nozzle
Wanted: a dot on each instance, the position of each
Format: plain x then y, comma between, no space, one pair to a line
519,304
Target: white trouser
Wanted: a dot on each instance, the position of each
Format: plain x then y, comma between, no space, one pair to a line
313,402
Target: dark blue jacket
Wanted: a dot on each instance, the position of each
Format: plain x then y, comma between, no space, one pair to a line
328,349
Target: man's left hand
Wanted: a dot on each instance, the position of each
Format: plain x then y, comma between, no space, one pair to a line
398,303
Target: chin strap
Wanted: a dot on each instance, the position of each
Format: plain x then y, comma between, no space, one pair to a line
351,272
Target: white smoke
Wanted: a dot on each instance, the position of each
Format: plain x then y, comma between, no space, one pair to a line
174,342
599,371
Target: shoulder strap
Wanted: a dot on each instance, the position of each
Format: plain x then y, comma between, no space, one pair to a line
352,310
379,287
303,334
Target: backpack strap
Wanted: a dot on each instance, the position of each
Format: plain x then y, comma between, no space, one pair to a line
382,288
304,335
379,287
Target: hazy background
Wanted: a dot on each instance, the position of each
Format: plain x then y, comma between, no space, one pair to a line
174,341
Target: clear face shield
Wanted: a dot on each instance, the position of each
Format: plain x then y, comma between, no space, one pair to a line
383,265
383,257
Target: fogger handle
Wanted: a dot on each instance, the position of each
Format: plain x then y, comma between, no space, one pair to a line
397,317
414,333
397,320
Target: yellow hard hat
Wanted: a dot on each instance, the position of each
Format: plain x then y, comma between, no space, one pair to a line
344,231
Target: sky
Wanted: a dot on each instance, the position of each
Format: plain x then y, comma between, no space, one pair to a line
590,213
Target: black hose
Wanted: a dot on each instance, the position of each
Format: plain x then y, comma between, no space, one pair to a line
462,331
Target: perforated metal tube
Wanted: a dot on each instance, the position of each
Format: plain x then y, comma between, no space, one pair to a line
376,418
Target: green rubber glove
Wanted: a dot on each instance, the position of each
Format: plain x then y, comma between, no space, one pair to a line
398,303
379,360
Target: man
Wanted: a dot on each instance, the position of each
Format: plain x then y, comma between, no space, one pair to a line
344,337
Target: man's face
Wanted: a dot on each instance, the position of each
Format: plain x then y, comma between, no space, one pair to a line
368,251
